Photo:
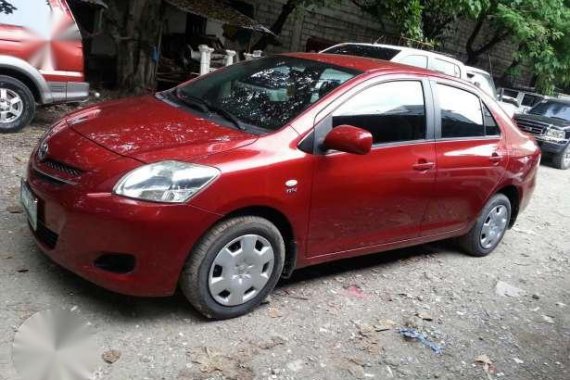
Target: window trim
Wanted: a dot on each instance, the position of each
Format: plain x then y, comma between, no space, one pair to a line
437,110
323,120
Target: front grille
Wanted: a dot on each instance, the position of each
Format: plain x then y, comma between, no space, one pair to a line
46,236
61,167
536,128
47,178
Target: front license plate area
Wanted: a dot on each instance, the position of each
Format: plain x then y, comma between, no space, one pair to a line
30,204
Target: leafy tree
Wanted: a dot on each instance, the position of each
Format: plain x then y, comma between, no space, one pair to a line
6,7
277,26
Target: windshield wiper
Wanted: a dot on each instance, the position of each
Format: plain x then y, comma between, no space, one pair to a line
207,107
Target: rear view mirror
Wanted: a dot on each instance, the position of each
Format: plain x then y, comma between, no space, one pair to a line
349,139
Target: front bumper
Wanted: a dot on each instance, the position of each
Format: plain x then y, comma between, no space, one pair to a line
551,147
75,228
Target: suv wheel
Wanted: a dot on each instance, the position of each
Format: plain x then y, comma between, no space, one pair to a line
490,227
233,267
562,160
17,105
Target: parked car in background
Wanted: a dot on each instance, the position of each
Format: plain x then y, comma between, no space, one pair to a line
401,54
526,99
549,122
41,60
235,179
484,80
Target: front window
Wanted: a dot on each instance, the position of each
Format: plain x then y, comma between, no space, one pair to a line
264,94
446,67
369,51
484,82
555,110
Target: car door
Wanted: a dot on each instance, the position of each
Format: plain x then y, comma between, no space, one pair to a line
368,200
471,157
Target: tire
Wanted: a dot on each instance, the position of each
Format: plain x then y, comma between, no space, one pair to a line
19,114
479,242
213,259
562,160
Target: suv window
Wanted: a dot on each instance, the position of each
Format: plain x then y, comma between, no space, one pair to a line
415,60
30,14
461,114
446,67
392,112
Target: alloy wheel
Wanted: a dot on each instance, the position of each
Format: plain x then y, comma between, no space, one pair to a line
11,106
241,270
494,226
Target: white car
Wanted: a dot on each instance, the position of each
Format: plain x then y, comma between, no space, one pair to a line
484,81
401,54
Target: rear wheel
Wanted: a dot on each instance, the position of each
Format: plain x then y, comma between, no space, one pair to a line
17,105
233,267
562,160
490,227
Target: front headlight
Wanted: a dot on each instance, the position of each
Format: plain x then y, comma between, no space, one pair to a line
555,133
166,181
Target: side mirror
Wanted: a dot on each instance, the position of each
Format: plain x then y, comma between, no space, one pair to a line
349,139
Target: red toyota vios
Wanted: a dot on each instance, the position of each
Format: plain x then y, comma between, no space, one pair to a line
233,180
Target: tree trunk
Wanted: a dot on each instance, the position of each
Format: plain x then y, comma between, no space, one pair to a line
135,28
277,26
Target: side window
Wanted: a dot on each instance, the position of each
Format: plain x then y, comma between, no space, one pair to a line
461,114
415,60
392,112
33,15
491,126
446,67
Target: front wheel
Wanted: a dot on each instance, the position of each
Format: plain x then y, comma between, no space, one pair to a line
490,227
562,160
233,267
17,105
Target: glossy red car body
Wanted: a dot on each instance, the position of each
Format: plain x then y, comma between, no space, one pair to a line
343,205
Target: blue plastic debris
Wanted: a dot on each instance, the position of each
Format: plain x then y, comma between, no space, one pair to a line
413,334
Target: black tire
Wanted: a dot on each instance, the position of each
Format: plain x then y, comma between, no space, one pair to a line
194,277
27,98
471,242
561,160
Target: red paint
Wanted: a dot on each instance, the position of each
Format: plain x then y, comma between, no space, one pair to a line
57,56
344,204
349,139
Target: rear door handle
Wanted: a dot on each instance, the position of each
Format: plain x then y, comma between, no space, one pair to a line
423,165
496,157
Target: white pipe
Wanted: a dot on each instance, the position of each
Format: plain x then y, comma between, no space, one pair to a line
230,56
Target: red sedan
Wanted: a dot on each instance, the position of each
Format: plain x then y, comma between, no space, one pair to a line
235,179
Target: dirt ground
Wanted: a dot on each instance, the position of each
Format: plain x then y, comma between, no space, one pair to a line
335,321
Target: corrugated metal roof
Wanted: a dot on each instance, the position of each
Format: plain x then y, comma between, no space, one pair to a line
219,10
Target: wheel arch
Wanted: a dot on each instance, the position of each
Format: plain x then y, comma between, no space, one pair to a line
27,74
514,195
284,226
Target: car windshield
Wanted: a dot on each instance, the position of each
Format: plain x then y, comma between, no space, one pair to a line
266,93
555,110
368,51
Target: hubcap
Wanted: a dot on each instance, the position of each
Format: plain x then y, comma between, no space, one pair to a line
11,106
494,226
241,270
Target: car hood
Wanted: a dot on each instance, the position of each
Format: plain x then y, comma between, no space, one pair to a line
148,129
562,124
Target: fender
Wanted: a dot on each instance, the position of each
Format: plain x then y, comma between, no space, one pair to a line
29,71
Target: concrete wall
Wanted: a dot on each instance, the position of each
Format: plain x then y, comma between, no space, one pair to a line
344,21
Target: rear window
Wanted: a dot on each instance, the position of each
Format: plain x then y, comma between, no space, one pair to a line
368,51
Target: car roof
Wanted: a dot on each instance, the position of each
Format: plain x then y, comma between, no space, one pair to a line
403,49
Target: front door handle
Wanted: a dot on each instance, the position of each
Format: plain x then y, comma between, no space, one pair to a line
423,165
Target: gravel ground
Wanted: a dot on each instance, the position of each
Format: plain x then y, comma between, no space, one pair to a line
334,321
